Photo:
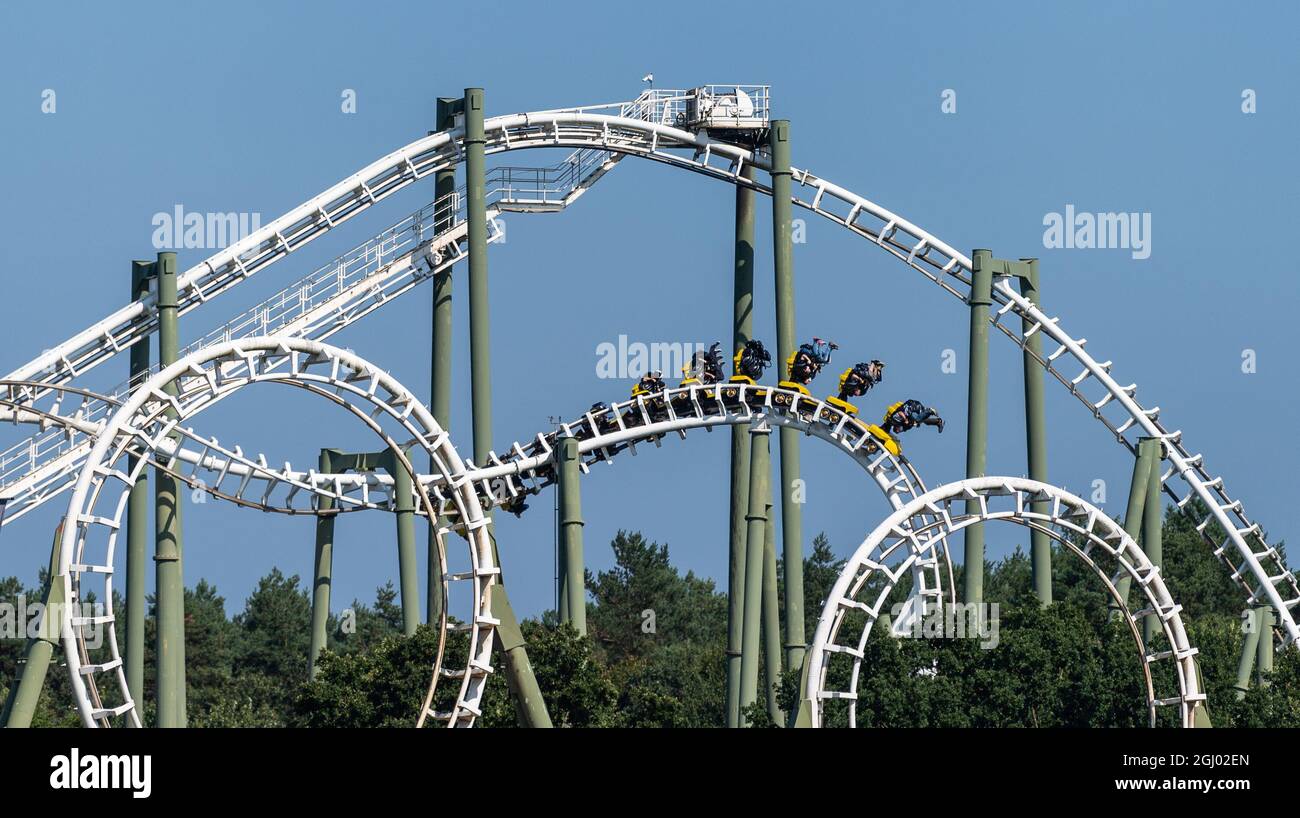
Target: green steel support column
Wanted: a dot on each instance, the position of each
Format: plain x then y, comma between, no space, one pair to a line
517,666
1264,658
519,671
1201,713
26,694
168,547
1152,521
444,185
760,461
561,568
404,514
137,516
771,616
1249,652
803,717
742,322
479,334
1137,497
791,513
573,587
977,415
408,570
1040,549
324,569
40,650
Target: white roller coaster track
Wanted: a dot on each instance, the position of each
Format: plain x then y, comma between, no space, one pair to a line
1255,565
864,586
332,298
95,508
142,426
248,480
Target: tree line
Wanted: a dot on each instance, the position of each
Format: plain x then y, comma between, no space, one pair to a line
1067,665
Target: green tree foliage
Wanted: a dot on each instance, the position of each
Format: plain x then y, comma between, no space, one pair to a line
578,688
1196,578
381,687
655,654
820,570
211,643
1051,667
364,627
276,625
644,584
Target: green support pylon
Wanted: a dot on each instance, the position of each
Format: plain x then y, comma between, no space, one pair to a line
444,185
324,569
561,569
519,670
742,322
26,694
1040,545
408,574
480,335
168,546
479,331
1249,652
408,570
573,587
137,515
977,415
1152,522
1264,660
1201,709
791,513
771,616
760,462
803,716
1139,485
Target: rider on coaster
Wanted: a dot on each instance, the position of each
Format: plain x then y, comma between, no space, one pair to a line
751,360
651,383
704,367
910,414
856,381
807,361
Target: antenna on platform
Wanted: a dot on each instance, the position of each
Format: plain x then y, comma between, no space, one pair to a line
650,78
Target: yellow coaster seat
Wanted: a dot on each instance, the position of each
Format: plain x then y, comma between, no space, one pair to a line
843,405
804,407
731,392
685,400
886,439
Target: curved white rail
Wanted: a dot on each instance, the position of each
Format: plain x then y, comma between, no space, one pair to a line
1257,567
602,433
336,295
142,427
864,586
94,516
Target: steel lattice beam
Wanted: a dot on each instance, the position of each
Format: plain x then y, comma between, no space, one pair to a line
1255,565
94,516
868,578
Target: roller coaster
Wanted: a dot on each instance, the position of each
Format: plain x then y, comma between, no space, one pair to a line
97,448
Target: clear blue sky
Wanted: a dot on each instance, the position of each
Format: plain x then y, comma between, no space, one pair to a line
1108,106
